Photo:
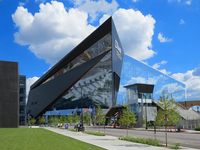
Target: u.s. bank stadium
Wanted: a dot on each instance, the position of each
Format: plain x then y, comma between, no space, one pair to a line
98,73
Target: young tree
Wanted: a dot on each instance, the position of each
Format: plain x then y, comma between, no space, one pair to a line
70,119
50,120
42,120
53,120
167,115
31,121
100,117
127,119
86,118
63,119
75,118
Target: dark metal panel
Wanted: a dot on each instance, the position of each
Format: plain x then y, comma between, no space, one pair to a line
117,51
100,32
9,91
116,83
45,95
142,88
117,60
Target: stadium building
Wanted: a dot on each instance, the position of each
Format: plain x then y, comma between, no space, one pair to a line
96,72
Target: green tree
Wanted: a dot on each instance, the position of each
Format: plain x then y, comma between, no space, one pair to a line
172,119
100,117
42,120
31,121
127,118
50,120
70,119
86,118
167,115
63,119
75,118
53,120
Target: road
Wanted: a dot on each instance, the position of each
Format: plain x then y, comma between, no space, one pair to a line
185,139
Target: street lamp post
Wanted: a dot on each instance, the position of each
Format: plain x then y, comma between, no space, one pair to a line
145,111
82,106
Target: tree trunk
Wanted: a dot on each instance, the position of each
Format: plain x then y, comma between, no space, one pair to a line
127,131
166,130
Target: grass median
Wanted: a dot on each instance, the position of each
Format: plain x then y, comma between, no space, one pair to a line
97,133
147,141
39,139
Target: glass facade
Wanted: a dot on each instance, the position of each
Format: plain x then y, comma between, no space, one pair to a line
97,76
87,76
134,71
22,100
95,85
96,49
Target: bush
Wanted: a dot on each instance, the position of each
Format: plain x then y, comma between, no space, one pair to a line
147,141
197,129
95,133
175,146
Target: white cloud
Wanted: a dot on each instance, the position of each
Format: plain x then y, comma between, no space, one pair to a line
135,1
104,18
192,80
186,2
181,22
177,90
29,82
53,31
94,8
157,65
22,2
165,71
163,39
151,80
135,31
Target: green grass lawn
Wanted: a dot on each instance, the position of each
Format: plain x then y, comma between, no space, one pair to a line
39,139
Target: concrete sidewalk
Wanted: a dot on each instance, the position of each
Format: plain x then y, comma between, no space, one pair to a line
107,142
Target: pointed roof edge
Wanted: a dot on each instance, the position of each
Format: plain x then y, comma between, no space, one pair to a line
96,35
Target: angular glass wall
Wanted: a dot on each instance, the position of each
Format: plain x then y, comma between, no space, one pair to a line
94,88
134,71
104,44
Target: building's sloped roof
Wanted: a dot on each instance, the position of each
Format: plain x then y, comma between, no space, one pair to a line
188,114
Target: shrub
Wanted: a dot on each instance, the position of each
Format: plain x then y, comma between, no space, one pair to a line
197,129
147,141
175,146
95,133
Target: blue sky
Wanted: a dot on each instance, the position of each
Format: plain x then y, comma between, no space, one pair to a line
162,33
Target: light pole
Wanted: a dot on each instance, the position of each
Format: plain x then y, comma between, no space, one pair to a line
82,106
145,110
